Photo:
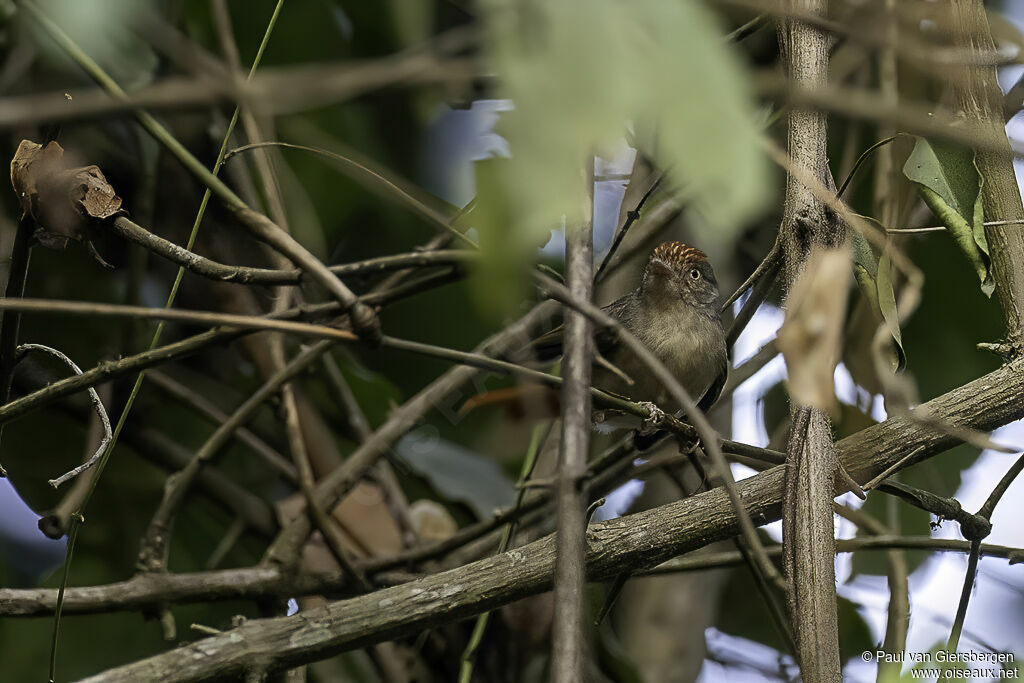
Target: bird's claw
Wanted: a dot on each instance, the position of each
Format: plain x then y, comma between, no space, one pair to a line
653,421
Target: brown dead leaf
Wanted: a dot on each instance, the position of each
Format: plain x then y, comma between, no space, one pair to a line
31,161
62,201
431,521
810,337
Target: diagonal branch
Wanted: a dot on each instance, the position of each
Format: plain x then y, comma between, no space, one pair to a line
621,545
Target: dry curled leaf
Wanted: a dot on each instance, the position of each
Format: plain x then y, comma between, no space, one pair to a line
62,201
810,337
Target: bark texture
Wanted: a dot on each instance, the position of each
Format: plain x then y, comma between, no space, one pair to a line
570,578
624,544
808,533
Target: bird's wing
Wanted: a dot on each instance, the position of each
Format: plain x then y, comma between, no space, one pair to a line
548,346
715,390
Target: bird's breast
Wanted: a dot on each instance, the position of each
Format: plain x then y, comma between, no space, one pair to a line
691,347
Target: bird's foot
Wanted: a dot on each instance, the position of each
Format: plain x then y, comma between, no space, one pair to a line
654,420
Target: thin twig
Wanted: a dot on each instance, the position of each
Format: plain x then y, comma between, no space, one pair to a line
253,322
392,187
769,264
208,409
185,347
246,275
320,518
631,218
394,497
984,512
763,284
76,522
155,542
851,545
860,160
942,228
96,403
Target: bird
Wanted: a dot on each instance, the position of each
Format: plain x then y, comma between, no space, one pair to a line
674,312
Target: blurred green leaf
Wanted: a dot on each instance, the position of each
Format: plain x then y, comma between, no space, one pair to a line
499,279
457,473
580,72
743,613
874,278
103,29
854,634
614,659
951,186
413,20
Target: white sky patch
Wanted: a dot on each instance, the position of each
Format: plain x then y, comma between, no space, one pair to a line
747,657
747,401
618,502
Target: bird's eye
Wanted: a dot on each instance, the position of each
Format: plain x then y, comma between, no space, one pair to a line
695,274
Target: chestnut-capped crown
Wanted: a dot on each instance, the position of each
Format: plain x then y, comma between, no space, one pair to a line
682,271
678,254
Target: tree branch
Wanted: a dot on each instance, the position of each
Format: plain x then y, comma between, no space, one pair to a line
621,545
247,275
219,335
808,534
570,581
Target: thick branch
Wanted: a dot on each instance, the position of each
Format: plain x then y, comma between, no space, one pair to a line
626,544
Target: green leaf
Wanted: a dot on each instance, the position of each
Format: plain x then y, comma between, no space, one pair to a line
742,612
457,473
854,634
413,20
614,659
499,279
580,72
874,277
950,184
887,306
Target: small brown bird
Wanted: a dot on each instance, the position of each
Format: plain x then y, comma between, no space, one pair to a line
674,312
